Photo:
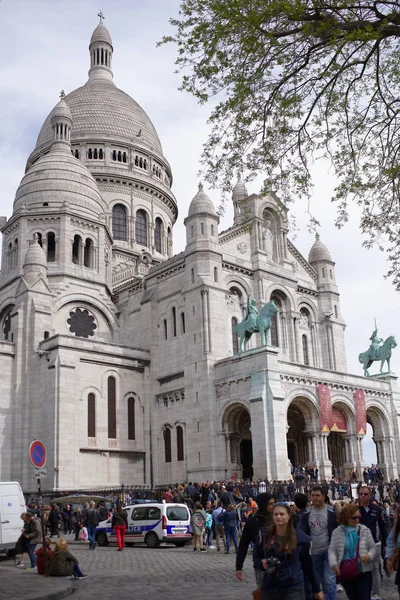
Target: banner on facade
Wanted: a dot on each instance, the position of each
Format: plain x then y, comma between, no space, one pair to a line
339,422
361,413
325,407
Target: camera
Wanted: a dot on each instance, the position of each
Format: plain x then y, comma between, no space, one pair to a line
273,566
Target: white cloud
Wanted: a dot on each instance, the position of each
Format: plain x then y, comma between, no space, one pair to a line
44,48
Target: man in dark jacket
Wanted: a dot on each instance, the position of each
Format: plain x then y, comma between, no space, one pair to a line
92,520
373,517
251,533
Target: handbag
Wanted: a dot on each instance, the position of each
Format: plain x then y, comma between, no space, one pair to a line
257,594
349,568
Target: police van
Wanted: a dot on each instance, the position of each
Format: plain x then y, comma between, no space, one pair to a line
151,524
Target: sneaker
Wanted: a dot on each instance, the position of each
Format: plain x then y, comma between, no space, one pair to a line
83,577
94,545
375,597
32,569
339,588
212,547
20,565
203,550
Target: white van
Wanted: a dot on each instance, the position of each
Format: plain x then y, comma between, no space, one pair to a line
152,524
12,504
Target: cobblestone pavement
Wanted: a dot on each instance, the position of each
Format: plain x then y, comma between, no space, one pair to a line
166,573
169,573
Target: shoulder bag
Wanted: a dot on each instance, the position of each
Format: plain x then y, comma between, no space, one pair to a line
349,568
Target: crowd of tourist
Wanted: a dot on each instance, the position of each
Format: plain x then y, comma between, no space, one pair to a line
308,538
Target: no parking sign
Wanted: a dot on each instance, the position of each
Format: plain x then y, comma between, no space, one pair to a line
37,454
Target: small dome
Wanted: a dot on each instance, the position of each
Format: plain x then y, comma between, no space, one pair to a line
319,252
61,111
101,34
201,203
35,254
56,178
239,192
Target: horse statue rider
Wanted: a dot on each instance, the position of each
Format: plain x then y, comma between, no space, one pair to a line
377,351
256,322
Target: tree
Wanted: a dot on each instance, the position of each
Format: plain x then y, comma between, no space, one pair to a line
296,81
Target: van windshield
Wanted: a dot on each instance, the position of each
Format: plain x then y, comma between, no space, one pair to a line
177,513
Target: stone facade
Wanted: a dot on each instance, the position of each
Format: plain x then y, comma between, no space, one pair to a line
123,358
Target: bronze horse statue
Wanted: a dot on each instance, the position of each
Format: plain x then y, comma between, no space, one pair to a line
259,324
384,354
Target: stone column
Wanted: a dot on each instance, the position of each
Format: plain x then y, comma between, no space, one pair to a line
325,465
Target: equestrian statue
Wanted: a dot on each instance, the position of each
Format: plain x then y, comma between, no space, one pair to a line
377,351
256,322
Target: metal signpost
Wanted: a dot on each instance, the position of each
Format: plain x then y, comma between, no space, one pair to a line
38,457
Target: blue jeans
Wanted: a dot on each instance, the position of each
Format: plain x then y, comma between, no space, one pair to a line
326,576
231,533
30,548
77,571
91,530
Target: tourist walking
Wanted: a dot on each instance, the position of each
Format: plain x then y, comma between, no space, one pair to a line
119,523
284,554
218,522
92,520
373,517
351,554
197,523
319,521
230,525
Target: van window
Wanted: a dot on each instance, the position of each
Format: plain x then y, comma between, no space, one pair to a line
154,513
139,514
177,513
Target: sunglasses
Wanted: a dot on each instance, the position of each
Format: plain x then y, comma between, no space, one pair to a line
365,494
354,518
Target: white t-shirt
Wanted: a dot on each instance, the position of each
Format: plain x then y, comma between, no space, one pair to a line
318,522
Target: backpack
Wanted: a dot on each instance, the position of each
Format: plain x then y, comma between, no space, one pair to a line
220,517
198,519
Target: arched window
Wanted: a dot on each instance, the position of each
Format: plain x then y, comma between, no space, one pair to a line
101,154
39,239
9,257
141,228
191,231
216,274
91,415
167,445
165,329
212,230
274,331
183,329
336,311
95,153
235,338
131,418
174,321
202,228
124,157
112,408
76,250
88,253
179,443
158,231
192,275
136,161
15,258
119,156
51,247
114,155
90,154
119,222
305,349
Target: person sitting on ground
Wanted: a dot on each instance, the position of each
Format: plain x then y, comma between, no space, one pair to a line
63,563
40,562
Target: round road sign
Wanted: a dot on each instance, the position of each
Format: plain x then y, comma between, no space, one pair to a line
37,454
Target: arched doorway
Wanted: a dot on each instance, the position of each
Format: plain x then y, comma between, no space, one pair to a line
303,426
336,442
381,436
237,427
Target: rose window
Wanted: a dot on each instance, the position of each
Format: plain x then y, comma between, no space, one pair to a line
81,323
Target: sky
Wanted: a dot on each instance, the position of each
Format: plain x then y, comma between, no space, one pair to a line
44,48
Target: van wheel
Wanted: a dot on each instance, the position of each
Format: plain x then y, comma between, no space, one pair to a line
180,544
152,540
102,539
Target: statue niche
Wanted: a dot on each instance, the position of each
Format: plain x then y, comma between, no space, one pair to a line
268,240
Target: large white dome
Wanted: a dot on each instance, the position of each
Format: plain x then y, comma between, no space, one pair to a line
100,109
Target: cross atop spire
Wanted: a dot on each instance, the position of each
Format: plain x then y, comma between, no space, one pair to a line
62,95
102,17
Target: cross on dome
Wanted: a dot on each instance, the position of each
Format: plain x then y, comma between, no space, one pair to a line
102,17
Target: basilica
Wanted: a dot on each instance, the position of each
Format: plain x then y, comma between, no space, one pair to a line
123,358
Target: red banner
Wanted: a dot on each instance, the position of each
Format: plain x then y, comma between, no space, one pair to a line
325,407
338,421
361,413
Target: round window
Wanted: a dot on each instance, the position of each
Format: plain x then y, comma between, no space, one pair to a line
81,323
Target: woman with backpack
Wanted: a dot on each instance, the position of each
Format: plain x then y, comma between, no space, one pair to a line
197,524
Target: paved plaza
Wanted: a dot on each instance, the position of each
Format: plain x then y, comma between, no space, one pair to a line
169,573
